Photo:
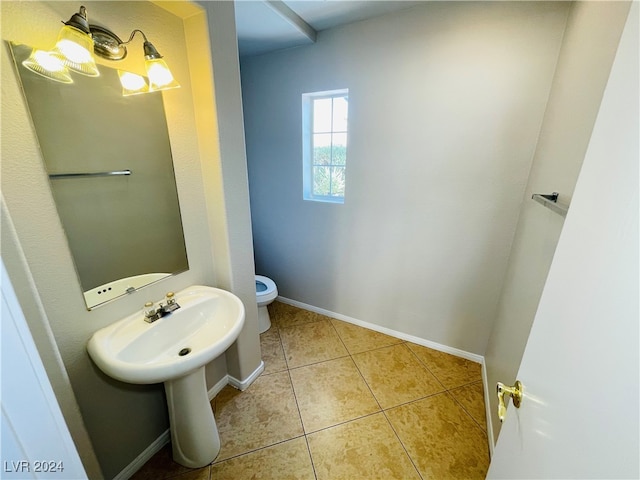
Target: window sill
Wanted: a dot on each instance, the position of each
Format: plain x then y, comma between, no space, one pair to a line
338,200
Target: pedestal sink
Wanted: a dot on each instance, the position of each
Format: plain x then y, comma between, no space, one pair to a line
174,350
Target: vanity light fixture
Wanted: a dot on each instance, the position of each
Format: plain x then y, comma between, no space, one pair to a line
75,45
48,65
75,48
110,47
132,83
73,51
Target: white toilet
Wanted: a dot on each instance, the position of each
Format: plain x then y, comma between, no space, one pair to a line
266,292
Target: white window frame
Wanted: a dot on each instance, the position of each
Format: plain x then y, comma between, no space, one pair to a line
307,144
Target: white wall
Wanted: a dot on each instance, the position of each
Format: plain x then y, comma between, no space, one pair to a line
588,50
446,101
227,190
123,420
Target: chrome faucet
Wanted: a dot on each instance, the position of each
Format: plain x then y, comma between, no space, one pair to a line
170,306
153,313
150,312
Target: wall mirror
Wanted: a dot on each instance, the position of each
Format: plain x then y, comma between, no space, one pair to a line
110,168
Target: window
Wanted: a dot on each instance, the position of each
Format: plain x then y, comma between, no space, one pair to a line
324,144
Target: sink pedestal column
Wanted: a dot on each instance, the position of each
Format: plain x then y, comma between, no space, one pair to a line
194,435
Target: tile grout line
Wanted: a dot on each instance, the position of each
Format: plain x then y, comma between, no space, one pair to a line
377,401
306,435
359,371
293,390
343,423
465,409
402,443
277,329
303,435
415,400
453,397
427,367
295,397
313,465
284,355
317,320
450,390
385,415
318,362
248,452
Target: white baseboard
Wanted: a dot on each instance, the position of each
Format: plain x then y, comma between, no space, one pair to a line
387,331
244,384
145,456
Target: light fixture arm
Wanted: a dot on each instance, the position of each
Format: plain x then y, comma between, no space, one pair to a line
150,51
133,34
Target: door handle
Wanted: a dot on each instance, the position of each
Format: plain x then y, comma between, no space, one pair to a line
516,396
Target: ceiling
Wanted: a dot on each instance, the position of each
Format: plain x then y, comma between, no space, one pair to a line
268,25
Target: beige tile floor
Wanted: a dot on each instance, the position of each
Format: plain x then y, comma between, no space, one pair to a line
337,401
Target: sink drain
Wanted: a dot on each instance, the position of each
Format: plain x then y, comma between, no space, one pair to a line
184,351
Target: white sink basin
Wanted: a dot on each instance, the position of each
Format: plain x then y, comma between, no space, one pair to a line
131,350
174,350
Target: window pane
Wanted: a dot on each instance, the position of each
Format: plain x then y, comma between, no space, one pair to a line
340,112
339,139
322,149
339,149
321,140
322,155
321,181
337,181
339,156
322,115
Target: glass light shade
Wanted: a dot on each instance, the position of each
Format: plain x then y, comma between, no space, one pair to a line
48,65
132,83
75,49
160,76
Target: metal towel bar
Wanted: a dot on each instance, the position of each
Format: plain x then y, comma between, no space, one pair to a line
96,174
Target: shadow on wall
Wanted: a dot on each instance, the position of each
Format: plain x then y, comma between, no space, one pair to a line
445,104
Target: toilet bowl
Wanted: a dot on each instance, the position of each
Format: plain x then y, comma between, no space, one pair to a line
266,292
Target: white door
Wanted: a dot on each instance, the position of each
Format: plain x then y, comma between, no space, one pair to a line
580,370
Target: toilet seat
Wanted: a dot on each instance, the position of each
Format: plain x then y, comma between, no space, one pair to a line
265,294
